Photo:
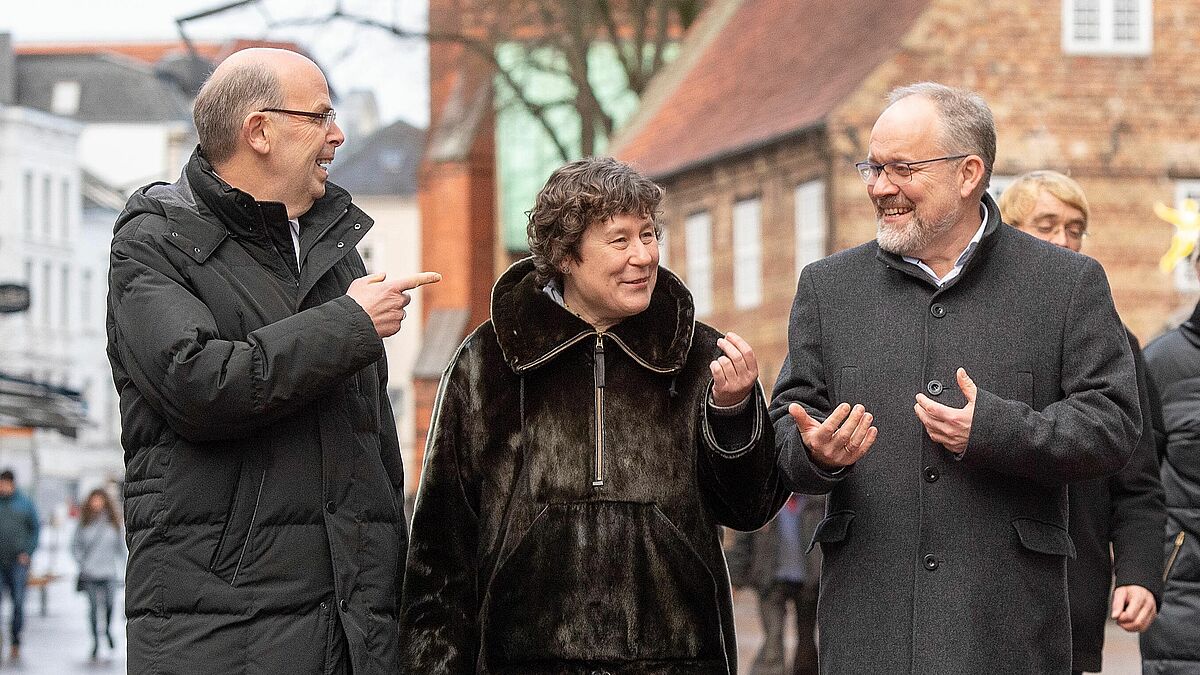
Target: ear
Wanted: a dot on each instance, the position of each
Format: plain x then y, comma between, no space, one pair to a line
971,174
256,131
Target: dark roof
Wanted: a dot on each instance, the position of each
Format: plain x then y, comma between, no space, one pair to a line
113,88
769,69
384,163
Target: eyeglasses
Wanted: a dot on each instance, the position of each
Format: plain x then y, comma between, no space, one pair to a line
326,117
898,172
1048,228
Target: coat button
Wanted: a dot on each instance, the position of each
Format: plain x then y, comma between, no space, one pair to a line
344,605
341,244
931,474
934,387
938,310
174,234
358,226
330,506
931,563
324,605
197,250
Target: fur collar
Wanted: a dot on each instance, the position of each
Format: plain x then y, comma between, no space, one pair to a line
532,329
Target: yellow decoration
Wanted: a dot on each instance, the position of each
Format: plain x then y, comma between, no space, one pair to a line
1187,231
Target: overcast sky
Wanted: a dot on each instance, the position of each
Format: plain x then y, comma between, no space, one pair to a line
354,57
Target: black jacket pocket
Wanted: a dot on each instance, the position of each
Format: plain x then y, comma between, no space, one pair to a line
834,528
233,549
1043,537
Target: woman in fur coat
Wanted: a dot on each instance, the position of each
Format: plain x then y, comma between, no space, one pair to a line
587,443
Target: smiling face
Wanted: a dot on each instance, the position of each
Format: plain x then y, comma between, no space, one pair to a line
911,216
302,147
615,273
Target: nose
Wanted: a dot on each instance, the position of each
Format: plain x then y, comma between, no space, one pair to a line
334,136
883,185
642,254
1059,238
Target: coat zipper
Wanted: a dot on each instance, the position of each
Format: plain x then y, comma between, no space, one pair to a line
598,379
1174,553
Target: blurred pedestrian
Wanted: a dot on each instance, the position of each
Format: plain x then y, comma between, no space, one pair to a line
1115,522
99,549
19,528
773,561
1172,643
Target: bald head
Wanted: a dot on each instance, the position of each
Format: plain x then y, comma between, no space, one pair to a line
246,81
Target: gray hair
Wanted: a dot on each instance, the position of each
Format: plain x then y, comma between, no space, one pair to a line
967,123
225,101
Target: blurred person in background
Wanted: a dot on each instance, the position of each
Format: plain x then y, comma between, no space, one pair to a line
99,549
19,528
1172,643
1116,521
587,444
783,568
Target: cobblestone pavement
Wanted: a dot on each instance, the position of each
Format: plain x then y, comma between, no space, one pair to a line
1121,655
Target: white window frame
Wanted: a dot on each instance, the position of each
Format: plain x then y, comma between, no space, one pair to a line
811,222
747,253
697,229
1184,275
1106,43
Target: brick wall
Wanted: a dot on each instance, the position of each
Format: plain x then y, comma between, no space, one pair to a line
1124,127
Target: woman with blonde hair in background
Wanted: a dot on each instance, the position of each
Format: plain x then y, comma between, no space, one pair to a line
99,548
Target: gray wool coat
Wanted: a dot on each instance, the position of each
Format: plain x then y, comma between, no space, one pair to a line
938,564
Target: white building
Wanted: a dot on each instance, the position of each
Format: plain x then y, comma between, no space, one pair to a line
45,246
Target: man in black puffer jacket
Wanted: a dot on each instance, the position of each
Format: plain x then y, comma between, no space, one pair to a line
264,482
1171,644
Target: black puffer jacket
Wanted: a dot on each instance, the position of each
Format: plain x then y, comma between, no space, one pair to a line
1172,644
542,546
264,479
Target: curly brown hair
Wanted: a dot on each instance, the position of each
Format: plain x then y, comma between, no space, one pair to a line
586,191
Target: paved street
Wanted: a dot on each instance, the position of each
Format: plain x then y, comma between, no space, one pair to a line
60,641
1121,655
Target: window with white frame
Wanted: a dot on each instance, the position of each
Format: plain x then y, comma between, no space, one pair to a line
812,228
663,249
747,253
1184,274
1121,27
697,234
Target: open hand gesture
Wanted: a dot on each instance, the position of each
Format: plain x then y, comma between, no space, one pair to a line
949,426
841,440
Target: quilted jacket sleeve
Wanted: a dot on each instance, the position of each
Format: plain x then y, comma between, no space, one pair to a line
209,388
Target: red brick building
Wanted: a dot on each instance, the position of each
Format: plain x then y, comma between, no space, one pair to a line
754,130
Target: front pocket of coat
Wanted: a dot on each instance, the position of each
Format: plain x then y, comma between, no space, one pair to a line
233,547
612,582
1043,537
833,529
1020,387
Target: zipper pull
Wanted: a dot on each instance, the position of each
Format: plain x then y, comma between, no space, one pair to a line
598,362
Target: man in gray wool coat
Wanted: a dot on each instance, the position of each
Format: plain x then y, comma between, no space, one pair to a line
983,370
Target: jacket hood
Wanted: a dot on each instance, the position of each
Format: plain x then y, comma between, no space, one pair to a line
532,329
